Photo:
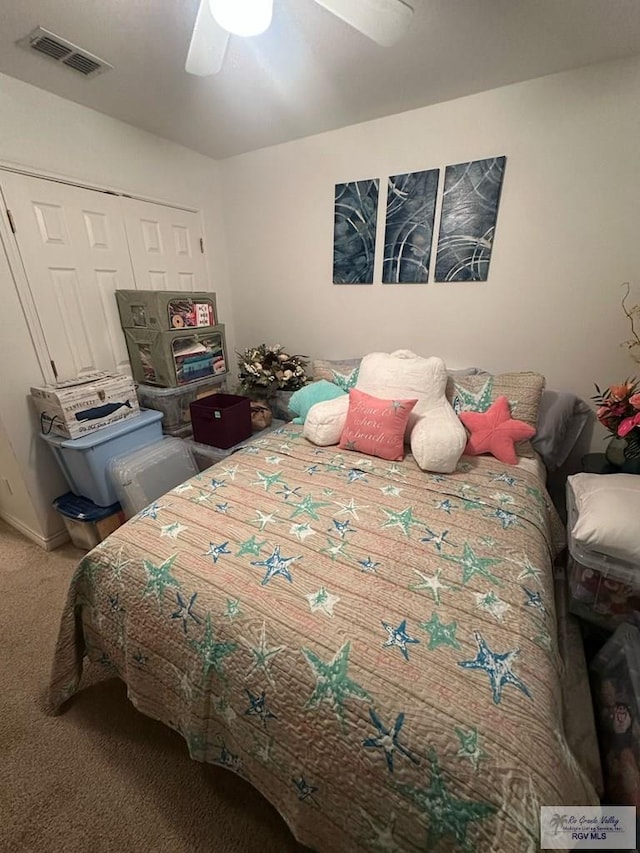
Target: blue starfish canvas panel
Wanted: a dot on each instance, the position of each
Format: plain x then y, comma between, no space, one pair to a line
371,646
354,231
468,219
411,204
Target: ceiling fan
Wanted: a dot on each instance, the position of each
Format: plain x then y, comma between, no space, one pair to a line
383,21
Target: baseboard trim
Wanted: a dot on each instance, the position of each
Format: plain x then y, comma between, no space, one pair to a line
48,543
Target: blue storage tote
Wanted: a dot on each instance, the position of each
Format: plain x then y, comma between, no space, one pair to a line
84,460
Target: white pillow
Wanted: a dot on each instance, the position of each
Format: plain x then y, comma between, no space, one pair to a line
441,438
325,421
437,442
608,507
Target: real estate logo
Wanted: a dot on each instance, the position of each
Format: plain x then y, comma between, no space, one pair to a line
588,827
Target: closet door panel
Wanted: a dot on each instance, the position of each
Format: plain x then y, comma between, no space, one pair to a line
165,246
73,246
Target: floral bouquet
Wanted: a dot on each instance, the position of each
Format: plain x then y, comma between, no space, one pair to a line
618,410
263,370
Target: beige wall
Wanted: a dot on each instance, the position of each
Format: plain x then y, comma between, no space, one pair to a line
567,232
565,240
41,131
16,504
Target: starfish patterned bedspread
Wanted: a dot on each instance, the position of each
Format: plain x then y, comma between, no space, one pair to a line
373,647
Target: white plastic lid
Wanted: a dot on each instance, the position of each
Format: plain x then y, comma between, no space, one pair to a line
146,474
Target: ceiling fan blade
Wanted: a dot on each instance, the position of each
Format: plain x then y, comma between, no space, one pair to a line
208,44
383,21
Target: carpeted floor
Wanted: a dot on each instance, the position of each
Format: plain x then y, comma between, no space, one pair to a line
101,776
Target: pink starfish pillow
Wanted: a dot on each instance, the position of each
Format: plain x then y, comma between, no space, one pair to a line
495,432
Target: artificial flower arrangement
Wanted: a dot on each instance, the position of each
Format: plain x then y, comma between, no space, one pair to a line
618,410
263,370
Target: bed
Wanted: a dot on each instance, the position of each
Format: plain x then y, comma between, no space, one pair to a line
371,646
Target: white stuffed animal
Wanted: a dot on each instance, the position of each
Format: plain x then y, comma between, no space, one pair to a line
435,432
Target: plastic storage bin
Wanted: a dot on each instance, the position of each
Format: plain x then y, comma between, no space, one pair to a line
206,455
86,523
169,359
221,419
603,590
174,402
164,310
144,475
84,460
616,694
185,431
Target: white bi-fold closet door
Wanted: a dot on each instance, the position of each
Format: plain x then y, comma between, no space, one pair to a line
77,246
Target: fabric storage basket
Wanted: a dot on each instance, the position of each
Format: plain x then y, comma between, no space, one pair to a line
144,475
603,590
174,402
86,523
80,406
164,310
221,419
84,460
170,359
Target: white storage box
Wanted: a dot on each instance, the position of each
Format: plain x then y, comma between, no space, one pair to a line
84,460
174,402
604,590
77,407
144,475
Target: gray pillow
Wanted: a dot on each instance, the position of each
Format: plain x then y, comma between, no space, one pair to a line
561,418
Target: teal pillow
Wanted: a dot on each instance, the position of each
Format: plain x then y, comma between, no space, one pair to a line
316,392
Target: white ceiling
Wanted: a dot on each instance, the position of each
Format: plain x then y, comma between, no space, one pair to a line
310,72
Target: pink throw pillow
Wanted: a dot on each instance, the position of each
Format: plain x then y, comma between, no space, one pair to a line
495,432
376,427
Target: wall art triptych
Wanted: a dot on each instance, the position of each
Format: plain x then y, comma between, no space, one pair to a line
354,232
468,216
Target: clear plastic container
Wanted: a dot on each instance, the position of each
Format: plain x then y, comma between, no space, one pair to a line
616,694
185,431
608,566
174,402
84,460
145,475
603,590
86,523
206,455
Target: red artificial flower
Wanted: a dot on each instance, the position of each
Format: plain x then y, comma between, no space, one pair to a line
625,426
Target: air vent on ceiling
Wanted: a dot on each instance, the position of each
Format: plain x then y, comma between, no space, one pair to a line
65,52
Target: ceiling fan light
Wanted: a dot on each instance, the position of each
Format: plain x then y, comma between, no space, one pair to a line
243,17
